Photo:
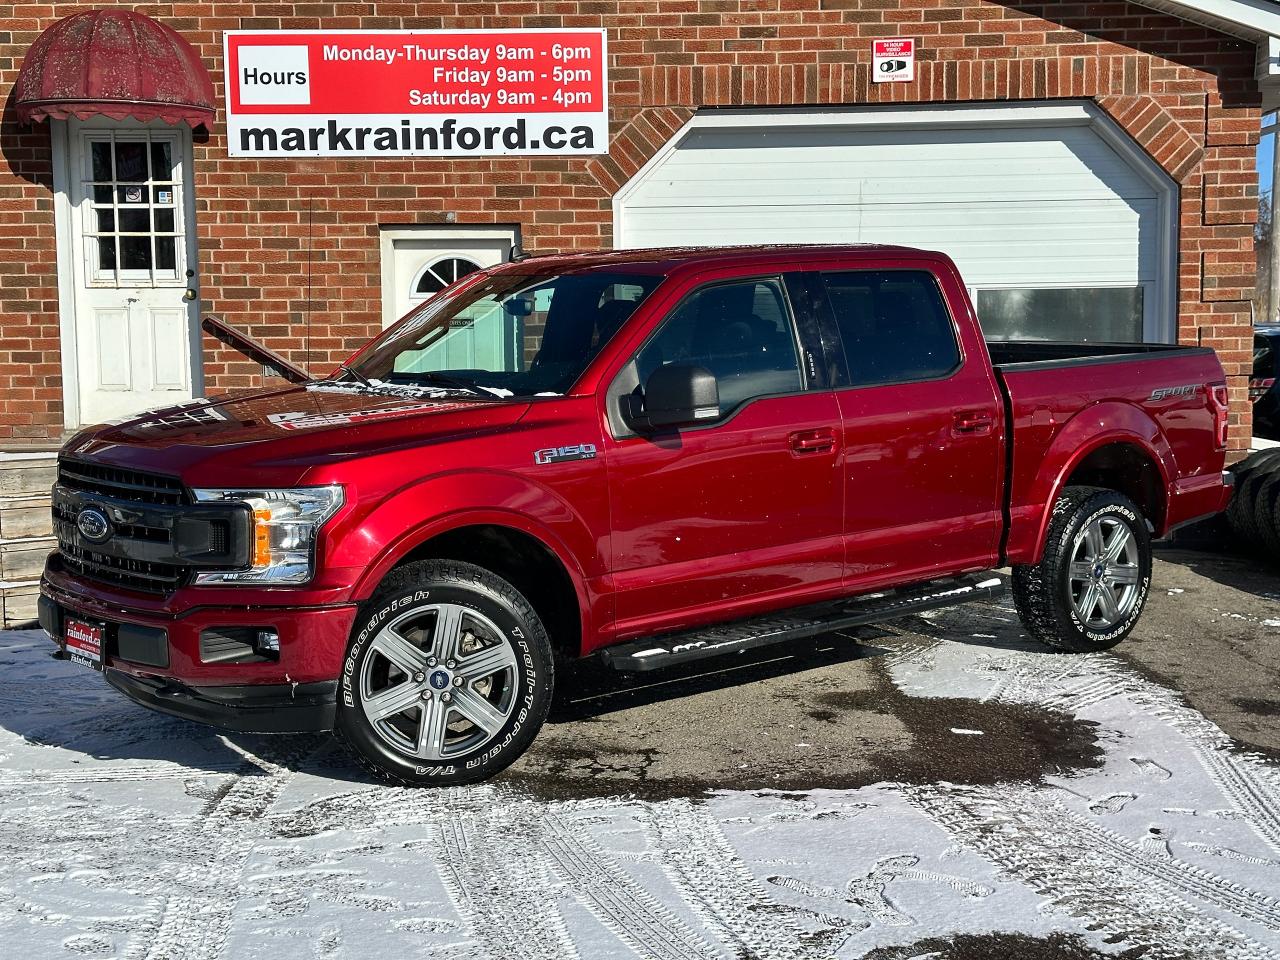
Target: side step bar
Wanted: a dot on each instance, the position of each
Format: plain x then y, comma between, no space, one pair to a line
651,653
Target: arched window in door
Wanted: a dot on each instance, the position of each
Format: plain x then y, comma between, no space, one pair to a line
438,274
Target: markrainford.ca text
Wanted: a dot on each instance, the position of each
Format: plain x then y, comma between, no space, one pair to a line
448,135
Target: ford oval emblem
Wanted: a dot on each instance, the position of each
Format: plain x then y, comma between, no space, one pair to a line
93,525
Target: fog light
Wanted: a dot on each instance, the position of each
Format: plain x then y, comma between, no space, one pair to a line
268,644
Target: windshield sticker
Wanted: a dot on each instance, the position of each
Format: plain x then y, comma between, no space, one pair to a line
574,451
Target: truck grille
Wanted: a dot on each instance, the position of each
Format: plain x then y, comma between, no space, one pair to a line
121,571
115,482
108,566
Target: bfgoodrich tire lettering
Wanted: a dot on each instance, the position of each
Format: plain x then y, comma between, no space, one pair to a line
1091,585
447,678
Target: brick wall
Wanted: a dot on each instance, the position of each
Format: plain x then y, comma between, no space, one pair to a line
1182,91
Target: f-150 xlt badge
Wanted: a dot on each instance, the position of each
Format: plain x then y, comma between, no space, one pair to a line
574,451
1164,393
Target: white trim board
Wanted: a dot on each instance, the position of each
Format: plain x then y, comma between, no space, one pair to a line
1250,19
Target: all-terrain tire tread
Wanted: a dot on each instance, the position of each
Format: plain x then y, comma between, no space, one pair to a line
460,574
1032,593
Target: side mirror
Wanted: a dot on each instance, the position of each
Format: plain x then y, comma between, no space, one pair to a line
675,395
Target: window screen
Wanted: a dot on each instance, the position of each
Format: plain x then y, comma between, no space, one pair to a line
894,324
740,331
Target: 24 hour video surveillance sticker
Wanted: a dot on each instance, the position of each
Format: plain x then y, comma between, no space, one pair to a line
397,93
893,60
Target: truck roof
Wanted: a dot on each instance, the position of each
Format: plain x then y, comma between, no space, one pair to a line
663,260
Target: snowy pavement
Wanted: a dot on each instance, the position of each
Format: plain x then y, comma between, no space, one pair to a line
127,834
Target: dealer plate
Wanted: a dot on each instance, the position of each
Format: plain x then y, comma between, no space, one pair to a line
83,642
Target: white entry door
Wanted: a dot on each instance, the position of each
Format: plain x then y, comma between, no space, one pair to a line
133,258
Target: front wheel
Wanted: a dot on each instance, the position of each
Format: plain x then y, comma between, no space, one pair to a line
447,678
1091,585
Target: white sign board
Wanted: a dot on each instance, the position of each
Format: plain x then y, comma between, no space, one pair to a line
893,60
416,93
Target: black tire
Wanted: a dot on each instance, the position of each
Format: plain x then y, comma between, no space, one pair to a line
1044,593
485,612
1266,521
1244,504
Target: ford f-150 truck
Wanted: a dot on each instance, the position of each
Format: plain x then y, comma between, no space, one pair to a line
649,456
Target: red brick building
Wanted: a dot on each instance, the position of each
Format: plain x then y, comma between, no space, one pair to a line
1090,166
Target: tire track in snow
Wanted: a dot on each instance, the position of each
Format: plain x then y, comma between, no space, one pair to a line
713,880
195,921
1251,786
497,880
1134,896
618,902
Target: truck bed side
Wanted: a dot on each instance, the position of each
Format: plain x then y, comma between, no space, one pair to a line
1142,417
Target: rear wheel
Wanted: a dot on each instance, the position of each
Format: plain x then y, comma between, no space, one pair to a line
447,678
1091,585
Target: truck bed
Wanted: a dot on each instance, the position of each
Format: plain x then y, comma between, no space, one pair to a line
1060,396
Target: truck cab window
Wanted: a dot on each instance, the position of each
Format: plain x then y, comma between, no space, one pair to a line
740,331
895,325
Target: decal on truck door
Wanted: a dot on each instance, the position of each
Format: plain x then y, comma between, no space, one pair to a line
573,451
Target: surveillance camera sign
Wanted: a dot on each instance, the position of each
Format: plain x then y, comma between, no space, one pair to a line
416,93
893,60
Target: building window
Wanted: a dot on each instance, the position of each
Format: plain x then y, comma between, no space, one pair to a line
1093,314
439,274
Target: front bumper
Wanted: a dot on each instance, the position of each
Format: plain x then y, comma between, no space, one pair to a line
154,657
259,708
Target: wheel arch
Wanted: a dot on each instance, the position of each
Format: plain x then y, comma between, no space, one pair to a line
516,530
1116,446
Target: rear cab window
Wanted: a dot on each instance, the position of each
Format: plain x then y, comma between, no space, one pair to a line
894,324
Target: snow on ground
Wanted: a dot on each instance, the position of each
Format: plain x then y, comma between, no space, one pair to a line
127,834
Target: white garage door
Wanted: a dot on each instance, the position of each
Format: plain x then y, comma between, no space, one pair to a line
1059,233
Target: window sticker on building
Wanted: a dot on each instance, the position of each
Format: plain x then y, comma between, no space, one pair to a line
893,60
369,93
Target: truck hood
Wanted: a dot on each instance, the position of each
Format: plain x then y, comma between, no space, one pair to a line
274,437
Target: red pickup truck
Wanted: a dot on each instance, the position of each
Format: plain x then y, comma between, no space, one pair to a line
652,456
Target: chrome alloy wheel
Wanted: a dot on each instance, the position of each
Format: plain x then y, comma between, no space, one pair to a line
1104,573
439,681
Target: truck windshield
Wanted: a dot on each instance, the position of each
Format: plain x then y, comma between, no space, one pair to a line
518,333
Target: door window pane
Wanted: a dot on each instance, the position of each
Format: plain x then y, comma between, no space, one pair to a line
107,255
166,253
161,160
741,332
895,325
100,152
131,162
135,221
135,253
164,221
1098,314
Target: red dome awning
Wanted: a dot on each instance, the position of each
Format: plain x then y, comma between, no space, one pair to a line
113,63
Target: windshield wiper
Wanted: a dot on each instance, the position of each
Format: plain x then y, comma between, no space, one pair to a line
356,375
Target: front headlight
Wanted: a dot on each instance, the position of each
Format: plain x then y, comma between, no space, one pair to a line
285,526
